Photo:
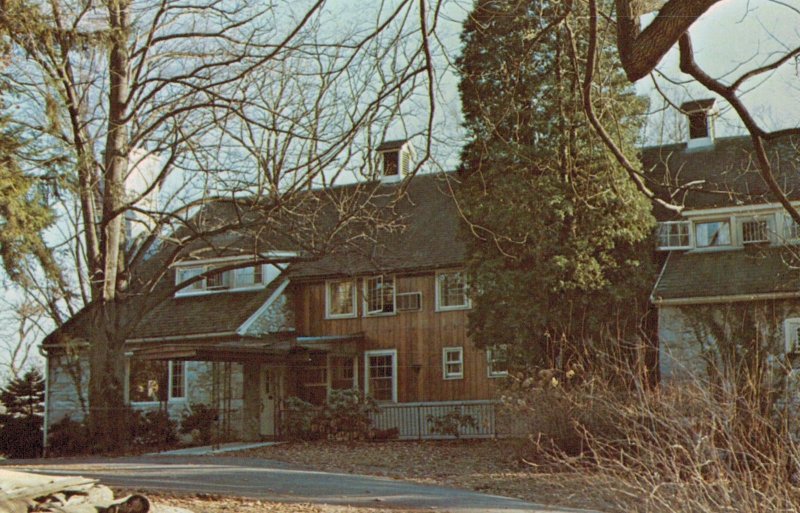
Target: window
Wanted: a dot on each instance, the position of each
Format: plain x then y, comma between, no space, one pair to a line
249,276
183,275
698,125
156,381
379,295
340,299
497,361
755,231
390,167
791,331
673,235
714,233
343,372
791,231
451,291
218,280
380,380
453,363
409,301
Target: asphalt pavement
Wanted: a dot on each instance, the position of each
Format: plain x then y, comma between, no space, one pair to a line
276,481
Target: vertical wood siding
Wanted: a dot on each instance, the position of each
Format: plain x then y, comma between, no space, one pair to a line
419,338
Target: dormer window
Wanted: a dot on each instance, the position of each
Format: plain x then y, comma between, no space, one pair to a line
243,278
701,127
755,231
394,159
674,235
713,234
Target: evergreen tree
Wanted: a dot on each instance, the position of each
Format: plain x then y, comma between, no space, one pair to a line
557,257
21,424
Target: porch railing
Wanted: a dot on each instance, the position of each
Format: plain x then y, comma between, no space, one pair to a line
411,420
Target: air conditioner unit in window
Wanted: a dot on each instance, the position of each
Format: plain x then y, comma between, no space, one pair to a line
409,301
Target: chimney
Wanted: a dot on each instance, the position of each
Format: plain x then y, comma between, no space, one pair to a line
394,159
700,114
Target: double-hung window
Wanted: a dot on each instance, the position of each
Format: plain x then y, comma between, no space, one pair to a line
156,381
497,361
340,299
379,295
791,332
451,291
713,233
453,363
380,375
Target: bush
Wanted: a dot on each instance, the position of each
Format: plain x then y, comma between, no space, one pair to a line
200,422
153,428
67,438
21,437
451,423
345,415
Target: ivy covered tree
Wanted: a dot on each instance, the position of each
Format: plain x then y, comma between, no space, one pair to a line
556,254
21,423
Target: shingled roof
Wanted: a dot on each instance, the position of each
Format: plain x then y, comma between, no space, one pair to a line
722,175
725,175
711,275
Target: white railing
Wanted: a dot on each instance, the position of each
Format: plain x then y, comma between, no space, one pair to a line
412,419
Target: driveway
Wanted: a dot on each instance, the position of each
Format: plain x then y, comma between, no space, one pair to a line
266,479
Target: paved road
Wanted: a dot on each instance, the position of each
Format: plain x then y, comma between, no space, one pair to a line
265,479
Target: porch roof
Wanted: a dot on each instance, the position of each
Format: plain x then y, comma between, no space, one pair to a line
276,347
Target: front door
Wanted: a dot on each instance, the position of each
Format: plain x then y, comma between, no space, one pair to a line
271,383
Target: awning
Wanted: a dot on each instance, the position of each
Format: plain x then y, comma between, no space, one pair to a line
277,348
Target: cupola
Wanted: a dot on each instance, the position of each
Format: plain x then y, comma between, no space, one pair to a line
701,114
395,159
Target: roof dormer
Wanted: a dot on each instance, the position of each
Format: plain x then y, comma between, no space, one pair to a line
395,159
700,114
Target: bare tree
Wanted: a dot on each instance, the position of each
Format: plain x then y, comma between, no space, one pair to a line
151,112
22,321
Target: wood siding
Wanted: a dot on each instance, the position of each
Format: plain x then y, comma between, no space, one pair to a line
418,336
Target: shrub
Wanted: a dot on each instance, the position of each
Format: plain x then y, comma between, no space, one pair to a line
345,415
153,428
298,421
451,423
67,438
200,422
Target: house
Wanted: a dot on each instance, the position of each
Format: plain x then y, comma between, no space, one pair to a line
729,285
387,316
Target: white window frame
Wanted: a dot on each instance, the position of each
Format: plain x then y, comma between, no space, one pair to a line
731,232
381,352
170,397
669,247
231,279
767,220
328,303
791,327
467,301
490,372
365,289
460,362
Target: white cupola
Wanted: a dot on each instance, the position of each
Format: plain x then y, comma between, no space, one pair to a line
701,114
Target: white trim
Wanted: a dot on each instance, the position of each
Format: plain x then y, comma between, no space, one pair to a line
354,313
438,307
263,308
790,335
243,258
365,302
700,142
724,299
454,375
744,209
381,352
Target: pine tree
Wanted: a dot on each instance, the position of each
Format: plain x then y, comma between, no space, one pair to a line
558,259
21,424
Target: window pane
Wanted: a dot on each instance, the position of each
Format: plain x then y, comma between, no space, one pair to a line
497,360
380,295
717,233
340,297
452,290
673,234
249,276
755,231
177,389
187,274
148,381
381,377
